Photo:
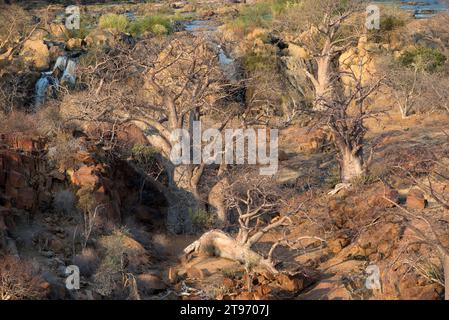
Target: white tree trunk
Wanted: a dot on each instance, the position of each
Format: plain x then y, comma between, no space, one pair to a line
217,200
351,165
183,201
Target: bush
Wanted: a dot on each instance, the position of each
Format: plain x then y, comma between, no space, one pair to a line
200,219
18,122
114,21
144,155
159,29
63,150
259,15
19,280
260,62
390,22
15,23
49,120
423,58
391,19
120,255
158,24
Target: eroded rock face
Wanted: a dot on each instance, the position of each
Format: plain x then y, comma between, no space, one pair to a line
358,63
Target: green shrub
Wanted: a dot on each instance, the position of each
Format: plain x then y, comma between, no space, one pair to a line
259,15
423,58
158,24
114,21
389,23
144,155
392,18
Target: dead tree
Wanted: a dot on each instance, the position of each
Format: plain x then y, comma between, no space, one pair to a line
256,205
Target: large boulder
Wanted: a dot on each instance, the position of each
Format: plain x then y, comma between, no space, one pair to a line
36,54
58,30
100,38
74,44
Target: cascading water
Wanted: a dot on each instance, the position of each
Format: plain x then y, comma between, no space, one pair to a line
68,78
50,80
206,28
41,89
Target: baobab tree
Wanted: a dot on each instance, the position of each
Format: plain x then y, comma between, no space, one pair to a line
259,207
328,29
160,85
256,204
324,36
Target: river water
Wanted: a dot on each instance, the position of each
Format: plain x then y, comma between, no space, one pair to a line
207,28
420,8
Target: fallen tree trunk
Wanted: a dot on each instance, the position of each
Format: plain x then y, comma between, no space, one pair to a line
220,244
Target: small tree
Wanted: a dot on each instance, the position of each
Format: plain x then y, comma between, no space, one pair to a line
411,79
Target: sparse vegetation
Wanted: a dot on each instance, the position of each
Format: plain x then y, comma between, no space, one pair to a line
91,177
114,21
423,59
19,280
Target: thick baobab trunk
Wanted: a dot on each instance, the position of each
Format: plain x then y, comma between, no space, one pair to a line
351,165
322,83
184,200
220,244
322,87
217,200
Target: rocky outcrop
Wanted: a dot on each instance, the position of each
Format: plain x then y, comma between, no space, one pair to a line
416,199
36,54
29,182
357,64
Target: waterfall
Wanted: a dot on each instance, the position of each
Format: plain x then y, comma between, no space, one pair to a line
60,64
69,73
41,90
49,79
207,29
